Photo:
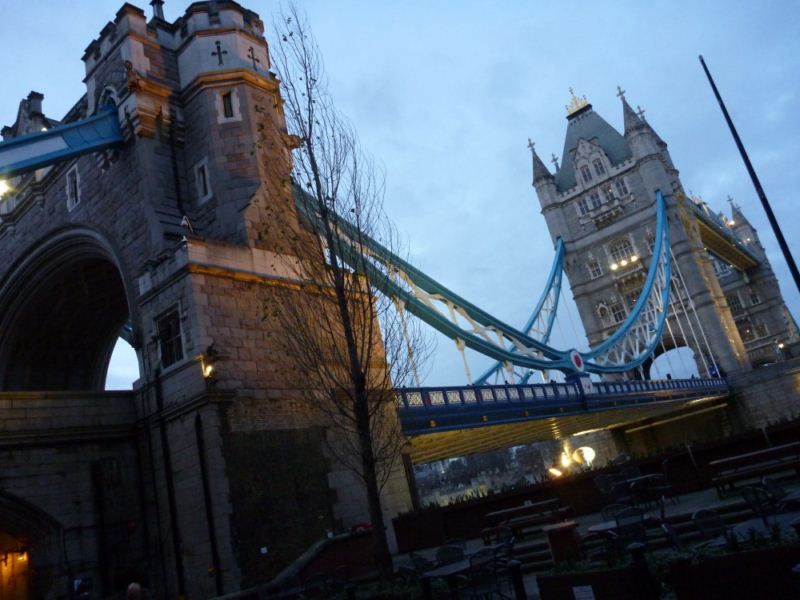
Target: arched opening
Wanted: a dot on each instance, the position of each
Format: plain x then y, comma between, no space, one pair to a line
61,314
123,366
30,552
676,363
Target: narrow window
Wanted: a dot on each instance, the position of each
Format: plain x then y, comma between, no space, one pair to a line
618,312
202,181
73,188
599,169
202,177
227,105
586,174
754,298
583,206
745,328
622,189
595,270
621,249
595,198
169,338
734,302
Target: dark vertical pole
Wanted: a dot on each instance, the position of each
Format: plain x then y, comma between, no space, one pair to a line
756,183
212,533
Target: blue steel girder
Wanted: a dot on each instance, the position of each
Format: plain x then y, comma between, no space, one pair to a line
41,149
544,313
434,410
625,349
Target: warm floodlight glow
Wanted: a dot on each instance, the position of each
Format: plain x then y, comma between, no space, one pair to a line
614,266
44,128
623,262
208,371
565,460
731,223
781,345
634,258
584,455
4,187
554,472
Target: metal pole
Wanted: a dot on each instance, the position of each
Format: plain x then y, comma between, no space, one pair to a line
756,183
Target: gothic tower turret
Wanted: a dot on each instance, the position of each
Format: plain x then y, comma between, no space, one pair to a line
603,208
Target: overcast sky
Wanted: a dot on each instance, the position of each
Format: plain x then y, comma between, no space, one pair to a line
445,95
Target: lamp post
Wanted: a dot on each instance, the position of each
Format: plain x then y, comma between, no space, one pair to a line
787,255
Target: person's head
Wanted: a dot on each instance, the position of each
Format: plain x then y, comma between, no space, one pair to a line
134,592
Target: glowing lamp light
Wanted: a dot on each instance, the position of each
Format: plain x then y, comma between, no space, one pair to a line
208,371
584,455
554,472
4,187
623,262
781,345
614,266
565,460
44,128
634,258
731,223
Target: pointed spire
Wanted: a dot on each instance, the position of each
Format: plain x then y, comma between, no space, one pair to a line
539,169
631,119
737,216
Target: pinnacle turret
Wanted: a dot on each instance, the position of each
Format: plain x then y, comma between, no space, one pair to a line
540,171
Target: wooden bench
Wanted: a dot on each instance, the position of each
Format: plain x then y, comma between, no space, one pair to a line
727,471
521,518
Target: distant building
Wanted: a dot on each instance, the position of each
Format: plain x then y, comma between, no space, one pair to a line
725,302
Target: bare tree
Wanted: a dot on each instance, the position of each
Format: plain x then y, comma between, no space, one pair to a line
350,345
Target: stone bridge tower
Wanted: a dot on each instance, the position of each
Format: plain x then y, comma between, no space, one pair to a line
212,473
600,201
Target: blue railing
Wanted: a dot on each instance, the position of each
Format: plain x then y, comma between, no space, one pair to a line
433,409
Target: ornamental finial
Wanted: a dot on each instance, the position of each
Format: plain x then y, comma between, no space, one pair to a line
575,103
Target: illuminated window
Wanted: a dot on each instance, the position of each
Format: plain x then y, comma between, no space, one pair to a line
586,174
170,343
745,328
621,249
599,169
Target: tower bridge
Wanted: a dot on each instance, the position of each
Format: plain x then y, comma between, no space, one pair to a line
140,215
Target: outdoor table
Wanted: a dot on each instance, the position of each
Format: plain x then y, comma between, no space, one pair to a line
606,526
498,516
742,530
563,541
639,478
450,574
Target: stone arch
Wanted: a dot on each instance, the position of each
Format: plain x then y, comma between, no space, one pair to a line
62,307
31,546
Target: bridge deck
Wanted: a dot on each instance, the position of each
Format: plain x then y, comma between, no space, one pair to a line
447,422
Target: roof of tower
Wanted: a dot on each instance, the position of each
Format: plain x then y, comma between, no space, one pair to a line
586,124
